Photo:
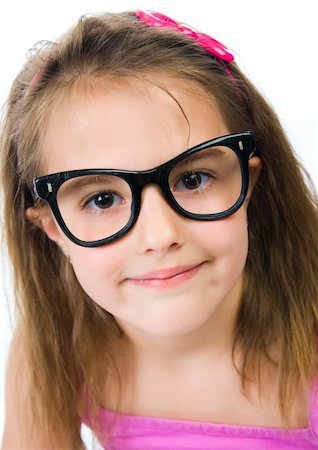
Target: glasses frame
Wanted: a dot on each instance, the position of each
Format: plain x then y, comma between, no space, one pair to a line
243,144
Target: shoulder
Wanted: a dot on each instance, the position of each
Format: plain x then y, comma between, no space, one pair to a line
22,430
313,405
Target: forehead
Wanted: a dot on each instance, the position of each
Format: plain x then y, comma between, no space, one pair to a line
129,124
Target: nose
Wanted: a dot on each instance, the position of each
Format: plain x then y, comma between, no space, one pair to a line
158,226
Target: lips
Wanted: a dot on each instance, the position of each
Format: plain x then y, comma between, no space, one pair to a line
165,278
163,274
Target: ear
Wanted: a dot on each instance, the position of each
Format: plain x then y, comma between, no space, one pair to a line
255,167
43,218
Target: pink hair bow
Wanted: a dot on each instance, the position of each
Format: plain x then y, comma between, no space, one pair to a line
158,20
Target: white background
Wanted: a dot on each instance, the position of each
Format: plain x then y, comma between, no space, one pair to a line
275,42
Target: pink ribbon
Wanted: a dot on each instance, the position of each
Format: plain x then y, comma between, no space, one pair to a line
158,20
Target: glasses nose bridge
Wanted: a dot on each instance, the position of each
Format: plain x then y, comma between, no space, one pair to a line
153,176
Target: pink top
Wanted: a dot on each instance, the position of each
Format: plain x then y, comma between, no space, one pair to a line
149,433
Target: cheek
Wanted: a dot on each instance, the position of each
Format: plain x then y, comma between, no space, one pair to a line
226,242
97,269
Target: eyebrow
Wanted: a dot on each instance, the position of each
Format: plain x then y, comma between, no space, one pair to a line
214,152
86,180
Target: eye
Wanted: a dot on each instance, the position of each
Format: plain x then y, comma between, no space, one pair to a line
192,180
103,200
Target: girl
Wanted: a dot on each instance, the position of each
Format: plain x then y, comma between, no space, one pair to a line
164,246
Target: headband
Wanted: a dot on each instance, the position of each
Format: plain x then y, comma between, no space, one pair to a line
158,20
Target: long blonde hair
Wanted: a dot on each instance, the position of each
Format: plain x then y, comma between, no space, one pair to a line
65,332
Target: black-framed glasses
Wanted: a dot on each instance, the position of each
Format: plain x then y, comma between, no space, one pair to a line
95,207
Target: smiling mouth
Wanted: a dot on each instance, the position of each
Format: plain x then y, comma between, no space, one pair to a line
166,278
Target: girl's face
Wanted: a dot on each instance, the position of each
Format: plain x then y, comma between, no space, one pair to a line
169,276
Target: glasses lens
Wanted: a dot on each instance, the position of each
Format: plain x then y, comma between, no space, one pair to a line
207,182
95,207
